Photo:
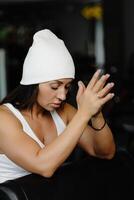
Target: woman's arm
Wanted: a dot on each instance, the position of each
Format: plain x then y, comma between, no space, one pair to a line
25,152
96,143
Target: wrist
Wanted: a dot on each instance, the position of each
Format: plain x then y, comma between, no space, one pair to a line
97,115
83,115
98,122
100,127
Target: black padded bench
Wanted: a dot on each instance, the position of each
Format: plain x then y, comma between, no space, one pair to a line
86,179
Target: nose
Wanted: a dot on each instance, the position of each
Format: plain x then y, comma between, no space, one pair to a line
62,94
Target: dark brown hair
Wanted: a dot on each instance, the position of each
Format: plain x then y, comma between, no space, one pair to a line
22,97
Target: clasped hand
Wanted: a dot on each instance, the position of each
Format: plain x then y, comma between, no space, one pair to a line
90,99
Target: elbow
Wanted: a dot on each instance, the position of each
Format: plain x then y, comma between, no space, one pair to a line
110,153
45,168
47,174
107,154
46,171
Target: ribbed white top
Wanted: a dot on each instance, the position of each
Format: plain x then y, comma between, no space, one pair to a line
8,169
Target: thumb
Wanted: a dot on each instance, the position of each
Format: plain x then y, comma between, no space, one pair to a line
81,89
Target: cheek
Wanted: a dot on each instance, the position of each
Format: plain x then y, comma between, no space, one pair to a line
45,95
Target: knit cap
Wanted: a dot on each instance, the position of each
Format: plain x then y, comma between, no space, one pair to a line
47,59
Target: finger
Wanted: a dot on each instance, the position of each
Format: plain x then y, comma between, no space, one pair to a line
105,90
81,89
94,79
106,98
101,82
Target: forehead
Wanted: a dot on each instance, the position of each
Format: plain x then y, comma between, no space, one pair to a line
59,81
62,81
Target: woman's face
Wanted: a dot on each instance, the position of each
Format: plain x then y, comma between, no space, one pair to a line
51,94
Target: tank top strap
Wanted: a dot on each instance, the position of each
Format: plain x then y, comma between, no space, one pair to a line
24,123
60,125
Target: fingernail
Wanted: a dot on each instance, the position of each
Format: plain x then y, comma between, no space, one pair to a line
112,94
99,71
79,83
110,85
108,75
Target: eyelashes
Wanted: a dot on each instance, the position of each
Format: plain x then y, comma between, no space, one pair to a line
56,88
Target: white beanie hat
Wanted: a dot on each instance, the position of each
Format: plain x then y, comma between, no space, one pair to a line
47,59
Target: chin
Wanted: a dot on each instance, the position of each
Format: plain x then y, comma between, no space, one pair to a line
49,109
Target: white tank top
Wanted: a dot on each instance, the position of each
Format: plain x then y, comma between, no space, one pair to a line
8,169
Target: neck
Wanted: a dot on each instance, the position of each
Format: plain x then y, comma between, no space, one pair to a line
36,111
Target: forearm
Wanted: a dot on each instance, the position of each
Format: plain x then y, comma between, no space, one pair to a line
103,139
54,154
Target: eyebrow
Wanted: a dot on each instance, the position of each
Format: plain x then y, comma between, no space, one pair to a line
57,81
60,82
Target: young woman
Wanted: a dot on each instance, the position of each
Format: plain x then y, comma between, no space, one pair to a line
38,129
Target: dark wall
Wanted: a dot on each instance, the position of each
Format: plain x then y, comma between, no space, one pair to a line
119,50
129,33
19,21
119,34
114,33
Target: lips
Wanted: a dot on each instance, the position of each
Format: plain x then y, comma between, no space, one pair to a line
56,104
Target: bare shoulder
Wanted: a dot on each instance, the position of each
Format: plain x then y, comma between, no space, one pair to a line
7,118
69,108
5,112
67,112
9,127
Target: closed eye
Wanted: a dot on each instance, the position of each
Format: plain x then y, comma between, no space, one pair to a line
69,86
54,88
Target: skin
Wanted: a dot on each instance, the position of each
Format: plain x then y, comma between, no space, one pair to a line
24,151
